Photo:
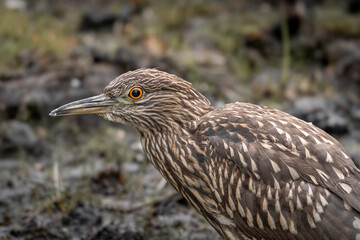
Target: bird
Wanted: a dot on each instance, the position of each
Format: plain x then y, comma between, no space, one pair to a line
251,171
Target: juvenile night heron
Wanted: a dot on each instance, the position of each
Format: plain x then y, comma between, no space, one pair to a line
252,172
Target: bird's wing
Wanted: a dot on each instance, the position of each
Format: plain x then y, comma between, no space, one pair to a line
277,148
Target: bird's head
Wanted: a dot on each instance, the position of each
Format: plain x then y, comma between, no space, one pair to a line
145,98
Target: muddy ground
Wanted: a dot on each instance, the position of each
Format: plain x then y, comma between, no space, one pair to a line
82,177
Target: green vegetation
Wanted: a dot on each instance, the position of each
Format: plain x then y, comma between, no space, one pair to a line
39,34
338,22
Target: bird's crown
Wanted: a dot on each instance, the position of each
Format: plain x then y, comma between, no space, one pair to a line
150,80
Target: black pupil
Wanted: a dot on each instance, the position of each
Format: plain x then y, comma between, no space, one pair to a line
135,93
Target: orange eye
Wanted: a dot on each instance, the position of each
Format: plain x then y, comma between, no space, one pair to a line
136,93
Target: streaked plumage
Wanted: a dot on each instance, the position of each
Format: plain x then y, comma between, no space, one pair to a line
252,172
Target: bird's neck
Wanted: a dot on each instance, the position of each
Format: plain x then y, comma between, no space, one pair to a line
172,119
165,147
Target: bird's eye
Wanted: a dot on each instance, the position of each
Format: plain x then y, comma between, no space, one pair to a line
136,93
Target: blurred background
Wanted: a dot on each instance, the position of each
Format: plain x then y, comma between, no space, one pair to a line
82,177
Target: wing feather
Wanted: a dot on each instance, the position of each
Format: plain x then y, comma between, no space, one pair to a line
277,147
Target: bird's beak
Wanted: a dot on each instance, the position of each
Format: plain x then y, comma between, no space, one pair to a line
96,104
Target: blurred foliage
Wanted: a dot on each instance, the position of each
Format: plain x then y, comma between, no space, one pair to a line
40,34
338,22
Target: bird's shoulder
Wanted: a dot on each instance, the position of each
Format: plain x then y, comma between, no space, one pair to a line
276,148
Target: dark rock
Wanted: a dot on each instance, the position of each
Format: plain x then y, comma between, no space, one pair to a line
165,63
109,233
4,219
353,6
27,59
266,83
294,19
99,56
345,56
131,236
10,100
32,97
355,114
94,54
83,215
96,20
294,25
19,135
307,105
128,11
82,218
125,59
105,234
85,51
340,49
325,114
260,44
336,124
314,49
106,182
28,97
198,236
348,71
36,229
351,143
355,156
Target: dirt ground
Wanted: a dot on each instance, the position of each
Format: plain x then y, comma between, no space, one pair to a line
82,177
